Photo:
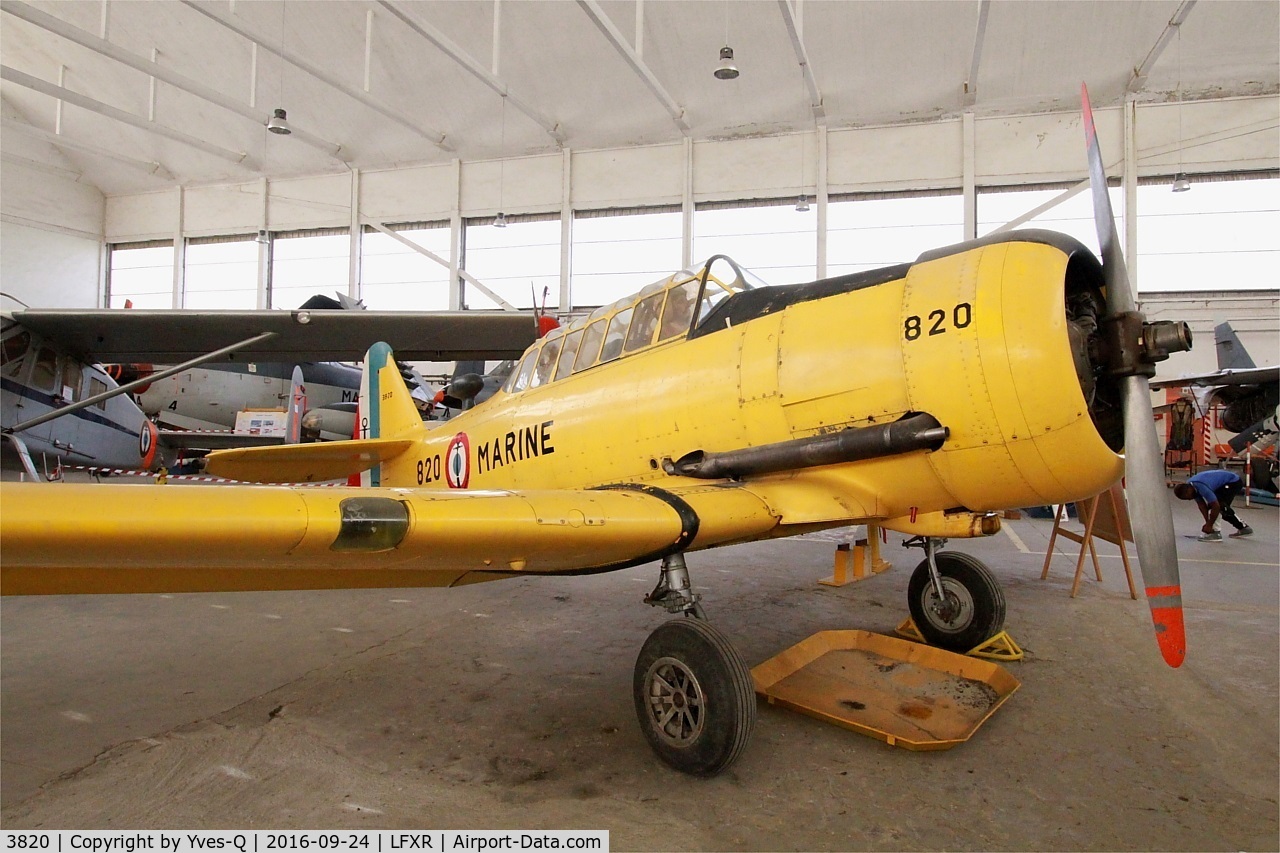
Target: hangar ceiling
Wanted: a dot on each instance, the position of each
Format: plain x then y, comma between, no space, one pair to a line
152,93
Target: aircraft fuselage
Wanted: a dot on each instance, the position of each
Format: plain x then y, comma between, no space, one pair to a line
209,396
38,377
977,337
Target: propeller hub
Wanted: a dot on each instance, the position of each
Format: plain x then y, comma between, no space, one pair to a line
1130,346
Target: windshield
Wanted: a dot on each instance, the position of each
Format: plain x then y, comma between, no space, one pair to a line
721,278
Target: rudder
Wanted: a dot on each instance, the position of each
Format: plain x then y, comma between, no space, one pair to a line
386,410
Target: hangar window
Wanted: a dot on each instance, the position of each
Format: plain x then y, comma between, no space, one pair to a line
1221,234
140,274
866,232
221,273
1073,217
519,263
307,263
770,237
616,252
395,277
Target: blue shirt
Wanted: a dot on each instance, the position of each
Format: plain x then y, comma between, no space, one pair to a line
1208,482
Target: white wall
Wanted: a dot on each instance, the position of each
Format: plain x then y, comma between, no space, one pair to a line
45,269
50,229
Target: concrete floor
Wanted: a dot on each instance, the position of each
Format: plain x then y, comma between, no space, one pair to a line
507,705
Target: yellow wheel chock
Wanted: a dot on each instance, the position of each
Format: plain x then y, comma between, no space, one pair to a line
865,554
1000,647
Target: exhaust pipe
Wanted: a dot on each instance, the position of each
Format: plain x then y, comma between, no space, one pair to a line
914,432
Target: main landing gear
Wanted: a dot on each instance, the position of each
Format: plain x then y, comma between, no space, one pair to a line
694,695
954,599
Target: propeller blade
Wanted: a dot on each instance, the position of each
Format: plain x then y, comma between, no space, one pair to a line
1144,469
1119,293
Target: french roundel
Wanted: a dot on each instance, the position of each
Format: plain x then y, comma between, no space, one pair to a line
457,462
147,441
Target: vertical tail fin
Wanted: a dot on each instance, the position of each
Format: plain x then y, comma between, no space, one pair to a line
1231,353
386,410
297,407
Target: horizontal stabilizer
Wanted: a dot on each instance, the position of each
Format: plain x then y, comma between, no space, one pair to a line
305,463
191,439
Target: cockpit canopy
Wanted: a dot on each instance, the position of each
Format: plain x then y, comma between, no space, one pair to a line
661,312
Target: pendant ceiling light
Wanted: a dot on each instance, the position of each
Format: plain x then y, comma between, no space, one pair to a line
726,70
279,123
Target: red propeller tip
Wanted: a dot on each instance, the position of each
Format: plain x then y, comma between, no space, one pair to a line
1171,633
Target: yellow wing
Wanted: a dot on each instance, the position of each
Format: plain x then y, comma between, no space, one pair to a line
100,538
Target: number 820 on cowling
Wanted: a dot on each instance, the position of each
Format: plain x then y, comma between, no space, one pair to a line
936,321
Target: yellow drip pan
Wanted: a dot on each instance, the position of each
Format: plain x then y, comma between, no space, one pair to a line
903,693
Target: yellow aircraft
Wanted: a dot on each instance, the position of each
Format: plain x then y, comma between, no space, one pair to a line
701,412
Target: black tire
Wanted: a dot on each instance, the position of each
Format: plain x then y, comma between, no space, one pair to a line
971,588
694,697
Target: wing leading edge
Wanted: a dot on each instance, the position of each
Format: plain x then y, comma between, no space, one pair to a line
58,539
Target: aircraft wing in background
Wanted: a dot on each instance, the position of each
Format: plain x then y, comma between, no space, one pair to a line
161,336
1229,376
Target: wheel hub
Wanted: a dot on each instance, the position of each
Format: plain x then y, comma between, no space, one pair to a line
675,702
954,611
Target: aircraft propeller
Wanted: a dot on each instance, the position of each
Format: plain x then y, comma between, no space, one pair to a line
1133,346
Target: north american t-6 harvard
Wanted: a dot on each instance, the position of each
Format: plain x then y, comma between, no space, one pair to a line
922,397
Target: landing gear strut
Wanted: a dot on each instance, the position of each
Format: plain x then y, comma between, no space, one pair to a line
693,694
674,592
954,599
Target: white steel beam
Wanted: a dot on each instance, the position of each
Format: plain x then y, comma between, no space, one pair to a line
355,283
368,48
1138,81
1130,185
823,199
969,178
151,167
264,249
456,236
687,208
496,67
435,137
1048,205
25,80
790,18
460,56
632,58
180,252
566,229
158,72
47,168
971,82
